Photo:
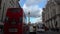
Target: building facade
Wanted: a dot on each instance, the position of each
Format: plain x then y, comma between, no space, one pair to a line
7,4
51,14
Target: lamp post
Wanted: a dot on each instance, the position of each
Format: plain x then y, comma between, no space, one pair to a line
29,18
29,23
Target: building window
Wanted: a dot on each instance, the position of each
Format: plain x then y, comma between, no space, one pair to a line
57,1
56,23
51,23
0,3
12,3
14,10
13,21
21,19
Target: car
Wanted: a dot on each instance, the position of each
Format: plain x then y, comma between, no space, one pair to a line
40,28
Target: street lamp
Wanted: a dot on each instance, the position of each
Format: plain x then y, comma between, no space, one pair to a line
29,18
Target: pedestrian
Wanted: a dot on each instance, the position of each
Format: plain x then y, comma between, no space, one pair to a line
27,29
34,30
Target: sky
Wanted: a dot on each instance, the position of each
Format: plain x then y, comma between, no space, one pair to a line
35,7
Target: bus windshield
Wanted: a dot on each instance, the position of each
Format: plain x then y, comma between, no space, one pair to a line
14,10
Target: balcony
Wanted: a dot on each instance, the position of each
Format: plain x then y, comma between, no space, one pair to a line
57,1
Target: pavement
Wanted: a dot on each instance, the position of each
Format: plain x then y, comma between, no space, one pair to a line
1,32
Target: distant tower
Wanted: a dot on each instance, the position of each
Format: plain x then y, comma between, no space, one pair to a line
29,18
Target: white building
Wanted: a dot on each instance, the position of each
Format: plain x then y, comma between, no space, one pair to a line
51,14
7,4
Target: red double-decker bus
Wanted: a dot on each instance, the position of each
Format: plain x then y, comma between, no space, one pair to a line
14,20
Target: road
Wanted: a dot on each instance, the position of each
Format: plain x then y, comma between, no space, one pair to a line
48,32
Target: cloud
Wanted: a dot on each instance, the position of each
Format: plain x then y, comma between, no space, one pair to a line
32,2
39,19
35,11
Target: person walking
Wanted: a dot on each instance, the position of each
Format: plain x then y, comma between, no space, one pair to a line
27,29
34,29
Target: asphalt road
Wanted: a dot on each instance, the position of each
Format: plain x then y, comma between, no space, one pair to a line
48,32
43,32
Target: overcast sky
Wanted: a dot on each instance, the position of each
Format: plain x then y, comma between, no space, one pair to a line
34,7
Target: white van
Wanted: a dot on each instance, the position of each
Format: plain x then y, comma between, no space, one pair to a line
31,28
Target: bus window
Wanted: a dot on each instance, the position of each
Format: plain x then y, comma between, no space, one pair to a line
21,19
14,10
13,30
13,21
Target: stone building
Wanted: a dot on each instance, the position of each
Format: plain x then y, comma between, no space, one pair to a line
7,4
51,14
